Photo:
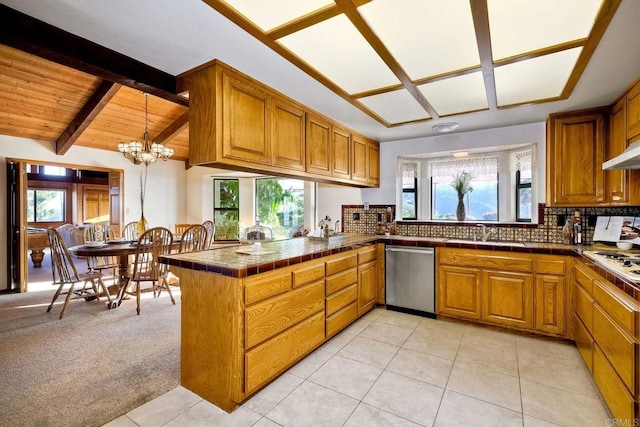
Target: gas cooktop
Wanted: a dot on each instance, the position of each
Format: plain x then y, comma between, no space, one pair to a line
623,263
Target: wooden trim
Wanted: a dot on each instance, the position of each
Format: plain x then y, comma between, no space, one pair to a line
605,15
354,16
30,35
480,15
86,115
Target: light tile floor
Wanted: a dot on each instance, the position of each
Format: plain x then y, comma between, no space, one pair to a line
392,368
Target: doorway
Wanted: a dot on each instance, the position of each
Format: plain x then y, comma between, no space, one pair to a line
77,194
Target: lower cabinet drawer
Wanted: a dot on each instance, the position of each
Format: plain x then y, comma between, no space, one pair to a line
274,356
582,304
341,299
583,340
620,349
616,303
342,318
341,280
270,317
620,402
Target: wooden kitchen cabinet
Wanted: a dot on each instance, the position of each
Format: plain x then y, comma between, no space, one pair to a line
365,155
605,326
288,140
514,290
340,152
507,298
633,111
236,122
617,181
459,292
575,153
318,145
246,124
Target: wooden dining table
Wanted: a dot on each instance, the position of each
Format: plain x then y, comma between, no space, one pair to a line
120,250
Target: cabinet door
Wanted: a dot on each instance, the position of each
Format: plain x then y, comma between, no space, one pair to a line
288,141
359,157
318,146
575,152
550,305
366,287
246,127
633,112
373,164
459,292
583,340
507,298
617,181
340,153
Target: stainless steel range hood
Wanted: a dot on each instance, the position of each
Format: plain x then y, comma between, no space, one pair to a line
629,159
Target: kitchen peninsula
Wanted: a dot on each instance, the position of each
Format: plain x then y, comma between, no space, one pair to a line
248,318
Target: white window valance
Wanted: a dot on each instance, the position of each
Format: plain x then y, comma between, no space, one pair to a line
521,160
442,170
408,169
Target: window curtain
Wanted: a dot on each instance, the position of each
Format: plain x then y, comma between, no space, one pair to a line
408,169
522,161
442,170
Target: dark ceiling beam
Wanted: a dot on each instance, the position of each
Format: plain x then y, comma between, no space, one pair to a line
30,35
86,115
361,25
480,14
173,129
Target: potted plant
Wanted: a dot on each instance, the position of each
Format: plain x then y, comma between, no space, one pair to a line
462,184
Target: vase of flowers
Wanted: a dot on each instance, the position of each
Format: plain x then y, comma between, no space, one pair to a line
462,184
142,222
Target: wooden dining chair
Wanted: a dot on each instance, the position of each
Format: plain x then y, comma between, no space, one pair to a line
211,231
194,238
65,274
146,266
100,233
181,228
130,231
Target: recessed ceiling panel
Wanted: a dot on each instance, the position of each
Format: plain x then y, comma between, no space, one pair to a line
425,37
457,94
533,79
395,107
336,49
519,26
268,14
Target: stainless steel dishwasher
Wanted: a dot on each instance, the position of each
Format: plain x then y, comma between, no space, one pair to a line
410,279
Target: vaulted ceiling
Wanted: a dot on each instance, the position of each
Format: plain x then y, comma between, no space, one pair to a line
74,72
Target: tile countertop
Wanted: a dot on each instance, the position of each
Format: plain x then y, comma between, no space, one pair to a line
278,254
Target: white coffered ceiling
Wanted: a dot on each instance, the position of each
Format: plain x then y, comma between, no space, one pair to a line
387,68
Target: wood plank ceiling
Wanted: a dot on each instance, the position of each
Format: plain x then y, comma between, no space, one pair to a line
59,88
39,99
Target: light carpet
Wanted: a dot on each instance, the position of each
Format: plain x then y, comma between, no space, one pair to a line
88,368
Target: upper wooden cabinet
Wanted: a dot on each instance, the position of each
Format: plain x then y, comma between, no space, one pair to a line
575,152
246,123
577,145
288,140
365,160
236,122
318,145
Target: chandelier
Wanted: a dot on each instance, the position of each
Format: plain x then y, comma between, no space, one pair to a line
147,151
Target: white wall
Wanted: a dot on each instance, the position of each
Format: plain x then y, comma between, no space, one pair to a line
166,198
332,197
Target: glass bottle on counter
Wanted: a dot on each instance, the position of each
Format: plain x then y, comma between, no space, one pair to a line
567,232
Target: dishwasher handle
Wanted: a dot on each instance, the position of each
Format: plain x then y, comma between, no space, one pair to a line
424,251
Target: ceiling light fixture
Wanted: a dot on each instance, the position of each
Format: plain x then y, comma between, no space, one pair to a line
147,151
459,153
445,127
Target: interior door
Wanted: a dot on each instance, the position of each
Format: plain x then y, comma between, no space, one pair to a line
16,226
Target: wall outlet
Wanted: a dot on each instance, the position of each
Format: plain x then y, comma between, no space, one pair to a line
379,217
356,216
366,206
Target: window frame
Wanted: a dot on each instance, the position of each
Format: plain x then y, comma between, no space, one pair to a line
225,210
413,191
67,188
520,185
256,202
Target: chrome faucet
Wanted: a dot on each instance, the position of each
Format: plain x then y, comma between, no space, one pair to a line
485,232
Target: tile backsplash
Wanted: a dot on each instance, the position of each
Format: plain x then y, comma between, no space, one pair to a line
355,219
